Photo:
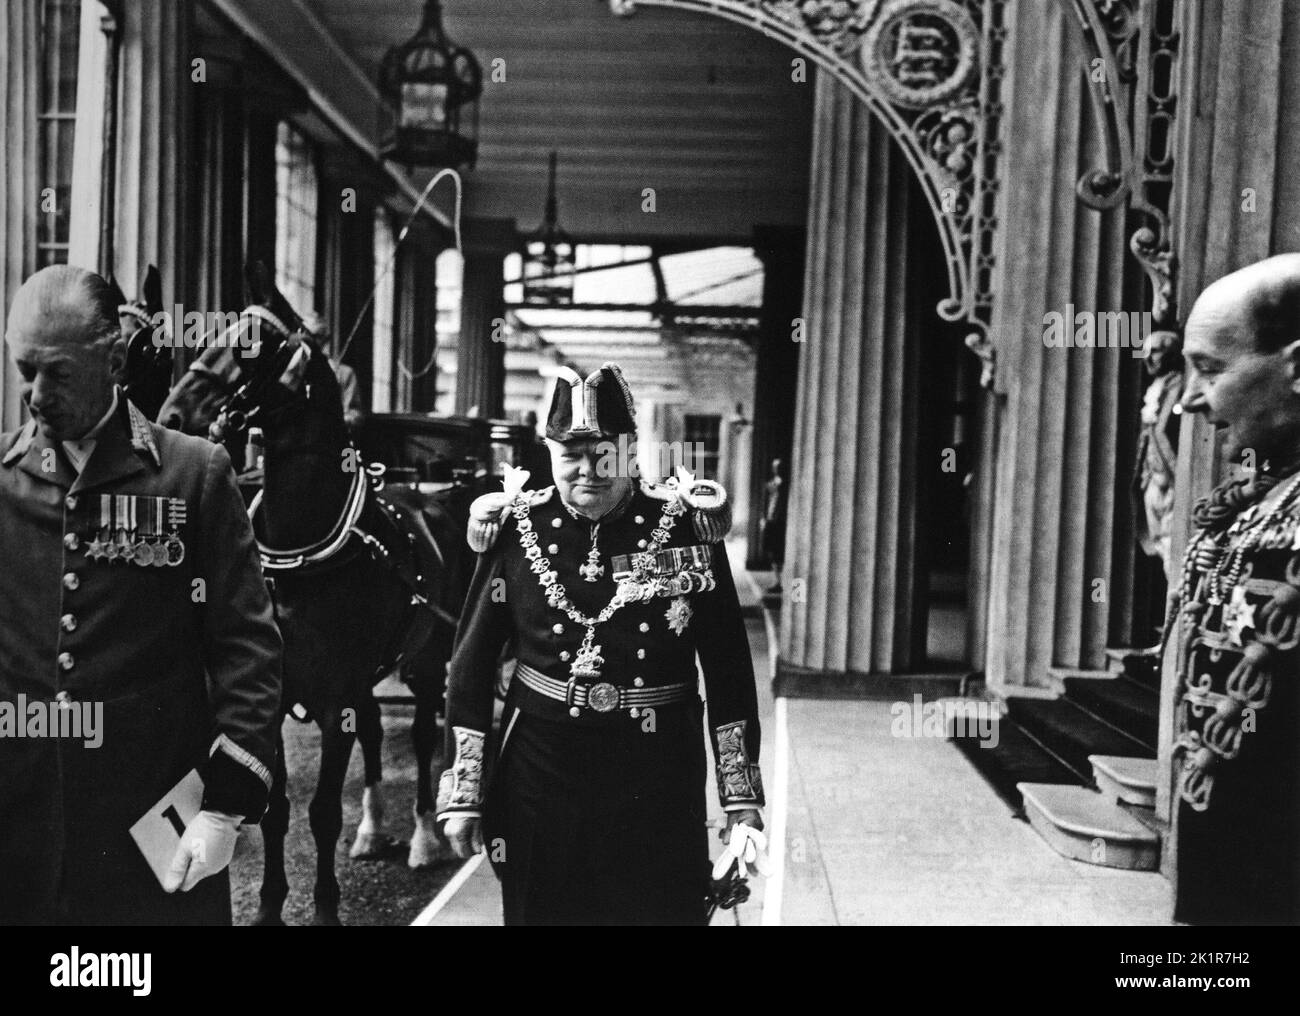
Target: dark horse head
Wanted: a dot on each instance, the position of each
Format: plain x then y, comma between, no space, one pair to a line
260,368
147,375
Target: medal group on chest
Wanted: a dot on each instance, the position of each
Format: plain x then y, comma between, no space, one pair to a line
138,529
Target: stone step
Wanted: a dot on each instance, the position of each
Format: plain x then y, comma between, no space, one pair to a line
1017,758
1081,824
1071,733
1127,779
1133,708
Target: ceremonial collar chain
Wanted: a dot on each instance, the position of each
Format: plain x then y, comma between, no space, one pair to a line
1211,551
587,661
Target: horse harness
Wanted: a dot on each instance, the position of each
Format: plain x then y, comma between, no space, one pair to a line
395,537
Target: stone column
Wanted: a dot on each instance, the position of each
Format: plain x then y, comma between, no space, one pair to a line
480,360
776,370
153,145
19,81
1059,500
851,605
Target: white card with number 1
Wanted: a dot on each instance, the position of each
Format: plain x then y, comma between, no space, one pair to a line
158,833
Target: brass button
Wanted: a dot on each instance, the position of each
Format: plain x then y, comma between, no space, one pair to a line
640,654
64,699
68,622
644,627
66,662
635,712
575,712
71,502
554,548
555,523
638,682
564,655
557,628
639,520
641,544
70,581
70,541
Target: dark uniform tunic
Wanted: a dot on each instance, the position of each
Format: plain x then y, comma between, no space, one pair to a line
599,817
1236,635
188,673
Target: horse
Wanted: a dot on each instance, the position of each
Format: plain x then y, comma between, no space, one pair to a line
364,579
147,375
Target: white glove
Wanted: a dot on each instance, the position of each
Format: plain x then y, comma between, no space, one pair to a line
746,846
205,849
465,834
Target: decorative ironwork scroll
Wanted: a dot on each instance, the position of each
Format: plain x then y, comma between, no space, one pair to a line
932,71
1131,50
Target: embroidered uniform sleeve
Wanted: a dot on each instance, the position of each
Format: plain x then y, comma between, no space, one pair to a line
729,687
485,626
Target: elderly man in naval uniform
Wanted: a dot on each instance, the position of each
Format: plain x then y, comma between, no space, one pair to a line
594,809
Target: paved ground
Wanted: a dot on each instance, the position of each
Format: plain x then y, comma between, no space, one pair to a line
884,830
374,892
878,830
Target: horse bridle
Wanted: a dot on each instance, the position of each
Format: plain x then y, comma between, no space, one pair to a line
245,395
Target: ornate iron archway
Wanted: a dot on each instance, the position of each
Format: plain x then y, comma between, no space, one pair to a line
931,71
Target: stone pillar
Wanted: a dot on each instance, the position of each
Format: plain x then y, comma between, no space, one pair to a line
480,361
19,77
776,370
851,604
1059,500
153,145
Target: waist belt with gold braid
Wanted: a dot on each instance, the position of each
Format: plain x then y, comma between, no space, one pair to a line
602,697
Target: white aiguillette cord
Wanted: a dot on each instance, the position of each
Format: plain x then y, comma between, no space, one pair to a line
392,258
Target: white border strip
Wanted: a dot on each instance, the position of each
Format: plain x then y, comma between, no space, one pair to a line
448,891
774,890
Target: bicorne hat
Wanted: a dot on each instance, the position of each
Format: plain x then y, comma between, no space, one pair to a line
599,405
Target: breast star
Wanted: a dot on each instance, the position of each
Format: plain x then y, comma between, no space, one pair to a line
1238,615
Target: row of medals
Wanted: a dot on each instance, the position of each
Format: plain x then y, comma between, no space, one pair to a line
143,551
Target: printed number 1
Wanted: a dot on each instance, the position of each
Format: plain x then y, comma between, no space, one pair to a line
171,815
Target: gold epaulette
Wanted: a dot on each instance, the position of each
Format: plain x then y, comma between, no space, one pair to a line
706,500
488,512
710,509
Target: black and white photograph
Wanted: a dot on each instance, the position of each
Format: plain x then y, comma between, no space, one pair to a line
628,463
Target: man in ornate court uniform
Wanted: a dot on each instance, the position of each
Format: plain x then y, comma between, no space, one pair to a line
594,812
130,590
1235,626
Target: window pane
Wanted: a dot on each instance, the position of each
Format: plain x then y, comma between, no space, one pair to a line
295,219
56,111
381,399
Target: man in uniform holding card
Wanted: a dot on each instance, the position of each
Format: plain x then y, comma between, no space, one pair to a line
594,812
130,580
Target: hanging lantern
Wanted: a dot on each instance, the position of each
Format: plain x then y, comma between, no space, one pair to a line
549,258
430,89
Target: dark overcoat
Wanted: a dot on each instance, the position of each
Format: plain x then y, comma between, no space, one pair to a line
178,646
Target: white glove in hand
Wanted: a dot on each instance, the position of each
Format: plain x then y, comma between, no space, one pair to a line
205,849
747,847
465,834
